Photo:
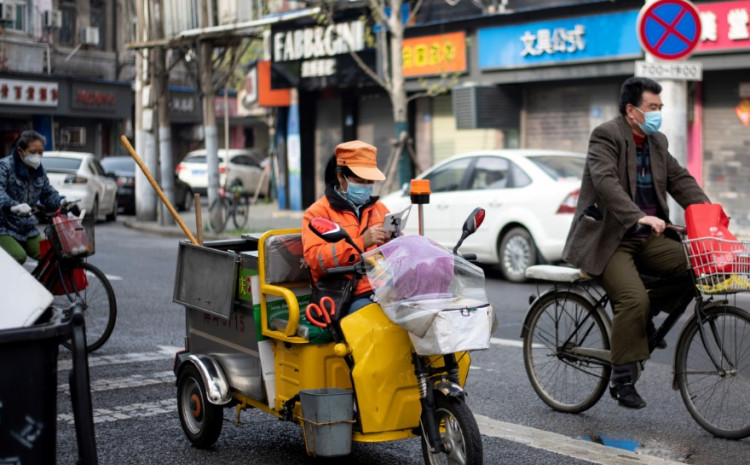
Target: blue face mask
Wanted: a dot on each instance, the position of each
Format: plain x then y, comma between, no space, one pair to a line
357,193
652,122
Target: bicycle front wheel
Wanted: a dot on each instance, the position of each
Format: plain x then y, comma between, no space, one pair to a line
241,213
97,298
713,371
218,214
562,332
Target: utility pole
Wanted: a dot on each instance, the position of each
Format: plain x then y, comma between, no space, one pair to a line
161,89
145,197
210,131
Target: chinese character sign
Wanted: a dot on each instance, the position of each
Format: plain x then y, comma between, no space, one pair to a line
36,93
445,53
725,25
583,38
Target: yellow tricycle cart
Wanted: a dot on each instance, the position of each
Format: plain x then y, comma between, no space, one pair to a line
361,378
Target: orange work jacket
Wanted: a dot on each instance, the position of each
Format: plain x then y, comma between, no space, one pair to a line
321,255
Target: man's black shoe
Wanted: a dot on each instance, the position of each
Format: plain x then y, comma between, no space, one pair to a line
624,391
651,332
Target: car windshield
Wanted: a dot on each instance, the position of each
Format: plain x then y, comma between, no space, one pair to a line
560,167
61,163
118,164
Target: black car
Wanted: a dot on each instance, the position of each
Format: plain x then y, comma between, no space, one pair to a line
123,169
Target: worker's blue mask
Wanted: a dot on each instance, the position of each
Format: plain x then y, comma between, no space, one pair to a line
357,193
652,123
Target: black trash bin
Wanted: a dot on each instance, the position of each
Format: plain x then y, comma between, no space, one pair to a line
28,390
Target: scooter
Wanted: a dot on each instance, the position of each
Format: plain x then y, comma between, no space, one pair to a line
393,369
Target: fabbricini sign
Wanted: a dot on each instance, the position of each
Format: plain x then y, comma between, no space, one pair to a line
317,45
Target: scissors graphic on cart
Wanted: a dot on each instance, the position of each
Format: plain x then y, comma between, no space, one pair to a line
323,312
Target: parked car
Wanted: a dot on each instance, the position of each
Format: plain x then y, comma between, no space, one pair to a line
244,168
79,175
529,197
123,169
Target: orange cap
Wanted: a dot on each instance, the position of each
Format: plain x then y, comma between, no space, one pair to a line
361,158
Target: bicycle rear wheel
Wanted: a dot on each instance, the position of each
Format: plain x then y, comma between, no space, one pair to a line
717,392
97,297
241,212
218,214
559,324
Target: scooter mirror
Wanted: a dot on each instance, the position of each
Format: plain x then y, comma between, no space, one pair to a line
331,232
471,225
475,219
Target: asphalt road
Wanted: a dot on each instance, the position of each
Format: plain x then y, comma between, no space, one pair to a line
136,414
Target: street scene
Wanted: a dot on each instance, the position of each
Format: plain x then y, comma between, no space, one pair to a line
456,232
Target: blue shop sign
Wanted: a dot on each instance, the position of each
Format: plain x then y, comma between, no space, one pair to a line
565,40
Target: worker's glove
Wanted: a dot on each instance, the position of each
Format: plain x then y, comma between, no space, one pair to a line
22,209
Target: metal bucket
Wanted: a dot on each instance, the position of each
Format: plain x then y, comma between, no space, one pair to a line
327,421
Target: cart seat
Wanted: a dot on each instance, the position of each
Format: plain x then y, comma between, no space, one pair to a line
285,267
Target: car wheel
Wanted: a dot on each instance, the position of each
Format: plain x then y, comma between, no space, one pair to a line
517,252
187,201
94,213
113,216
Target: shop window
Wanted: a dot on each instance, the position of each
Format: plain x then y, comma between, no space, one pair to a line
73,136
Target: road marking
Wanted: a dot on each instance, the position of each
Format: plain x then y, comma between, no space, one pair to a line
131,381
113,277
164,352
564,445
127,412
506,342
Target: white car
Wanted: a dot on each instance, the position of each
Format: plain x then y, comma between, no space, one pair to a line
80,176
244,168
529,197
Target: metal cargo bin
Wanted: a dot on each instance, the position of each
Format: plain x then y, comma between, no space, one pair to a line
327,421
219,308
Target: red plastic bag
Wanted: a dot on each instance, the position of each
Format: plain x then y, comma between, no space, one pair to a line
78,275
713,249
74,242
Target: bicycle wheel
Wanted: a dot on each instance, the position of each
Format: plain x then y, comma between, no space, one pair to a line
241,212
218,214
97,297
713,372
559,324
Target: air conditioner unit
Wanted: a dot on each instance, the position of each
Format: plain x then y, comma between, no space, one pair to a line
52,19
7,12
90,36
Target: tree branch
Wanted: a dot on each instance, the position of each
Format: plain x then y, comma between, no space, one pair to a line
377,7
413,13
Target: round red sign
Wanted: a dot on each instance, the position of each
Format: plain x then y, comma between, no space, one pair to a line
669,29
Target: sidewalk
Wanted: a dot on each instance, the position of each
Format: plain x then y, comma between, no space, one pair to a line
263,216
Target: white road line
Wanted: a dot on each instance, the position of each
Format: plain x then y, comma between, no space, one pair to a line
506,342
127,412
113,277
131,381
164,353
564,445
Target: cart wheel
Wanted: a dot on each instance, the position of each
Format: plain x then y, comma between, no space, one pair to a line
459,435
200,419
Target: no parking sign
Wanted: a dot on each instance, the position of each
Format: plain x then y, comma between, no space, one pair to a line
669,29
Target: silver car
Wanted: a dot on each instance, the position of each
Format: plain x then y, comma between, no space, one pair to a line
80,176
236,167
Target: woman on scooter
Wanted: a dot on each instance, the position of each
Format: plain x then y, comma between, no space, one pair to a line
348,201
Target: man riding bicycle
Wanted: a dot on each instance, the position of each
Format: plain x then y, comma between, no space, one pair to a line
23,184
622,211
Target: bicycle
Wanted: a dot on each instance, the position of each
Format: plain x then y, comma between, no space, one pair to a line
62,269
235,204
566,342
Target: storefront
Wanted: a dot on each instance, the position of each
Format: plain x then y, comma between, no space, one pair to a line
332,100
73,114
